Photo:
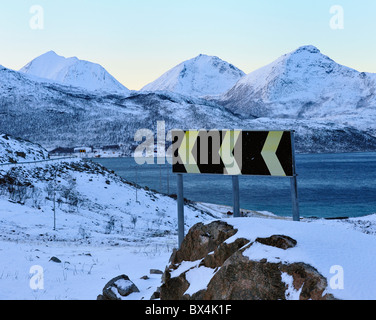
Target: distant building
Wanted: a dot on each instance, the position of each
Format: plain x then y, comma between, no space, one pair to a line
96,151
106,151
83,150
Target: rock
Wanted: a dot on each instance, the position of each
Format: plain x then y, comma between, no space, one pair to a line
155,271
223,252
242,279
202,239
54,259
145,277
117,288
156,294
174,288
235,276
307,279
279,241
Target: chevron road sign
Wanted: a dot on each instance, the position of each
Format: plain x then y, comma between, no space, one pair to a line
266,153
234,153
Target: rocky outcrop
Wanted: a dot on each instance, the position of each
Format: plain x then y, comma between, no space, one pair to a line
235,276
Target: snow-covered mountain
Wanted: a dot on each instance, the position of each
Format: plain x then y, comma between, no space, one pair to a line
304,84
201,76
54,115
73,72
57,115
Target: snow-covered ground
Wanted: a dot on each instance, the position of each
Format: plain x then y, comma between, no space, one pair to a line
103,231
104,227
346,257
83,272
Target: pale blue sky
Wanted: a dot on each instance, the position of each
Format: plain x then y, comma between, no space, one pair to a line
138,40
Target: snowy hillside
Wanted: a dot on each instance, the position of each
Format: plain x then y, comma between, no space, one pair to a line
93,205
73,72
14,150
201,76
106,226
102,232
305,84
102,229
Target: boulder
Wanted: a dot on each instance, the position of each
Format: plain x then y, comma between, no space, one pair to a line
156,271
55,259
279,241
235,276
117,288
242,279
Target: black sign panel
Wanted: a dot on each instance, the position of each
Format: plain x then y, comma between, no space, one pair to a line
233,152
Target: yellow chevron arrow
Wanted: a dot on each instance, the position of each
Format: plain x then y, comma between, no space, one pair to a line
185,151
228,145
269,153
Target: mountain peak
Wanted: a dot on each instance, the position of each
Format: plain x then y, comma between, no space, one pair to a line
73,72
202,75
53,55
51,52
307,48
201,55
303,83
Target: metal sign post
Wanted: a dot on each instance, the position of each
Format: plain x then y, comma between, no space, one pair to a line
180,196
235,196
234,153
294,198
294,183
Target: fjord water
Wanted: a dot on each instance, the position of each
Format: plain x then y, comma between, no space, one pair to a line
329,185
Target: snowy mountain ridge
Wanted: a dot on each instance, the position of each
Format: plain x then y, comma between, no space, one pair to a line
200,76
57,115
73,72
304,84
